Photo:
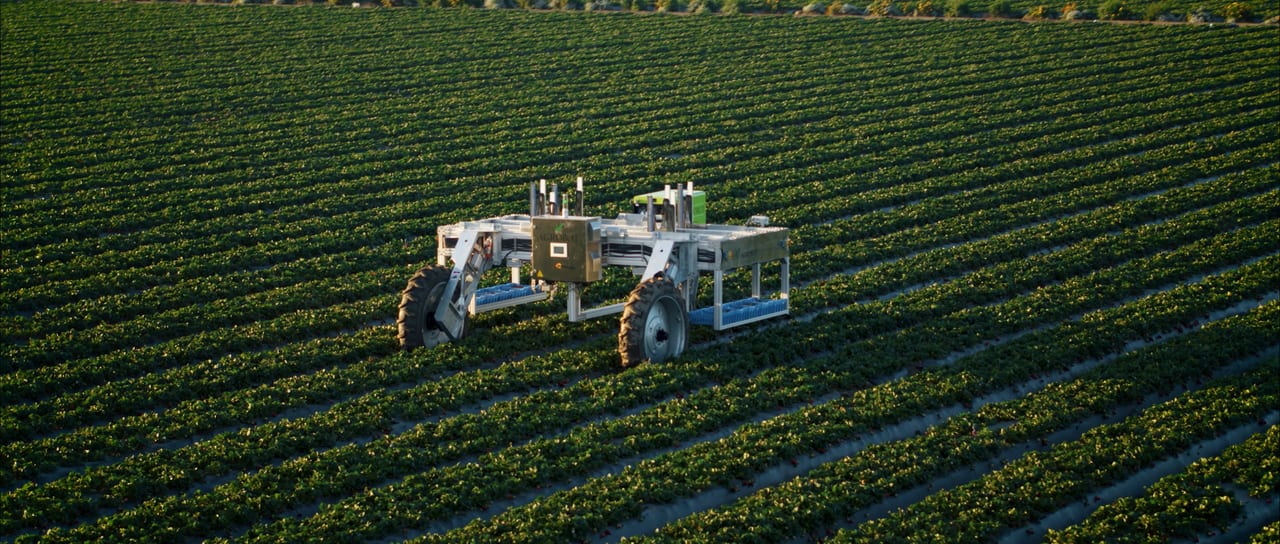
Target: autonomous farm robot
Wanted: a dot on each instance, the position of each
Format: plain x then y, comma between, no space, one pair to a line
666,242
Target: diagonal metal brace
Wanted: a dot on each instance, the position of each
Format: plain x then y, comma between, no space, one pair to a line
659,260
472,256
677,260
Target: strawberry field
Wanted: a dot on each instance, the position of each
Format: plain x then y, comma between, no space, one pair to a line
1034,271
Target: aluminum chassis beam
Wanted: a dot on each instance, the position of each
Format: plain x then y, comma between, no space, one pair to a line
672,253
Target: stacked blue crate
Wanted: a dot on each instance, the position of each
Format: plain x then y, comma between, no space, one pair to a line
499,293
738,311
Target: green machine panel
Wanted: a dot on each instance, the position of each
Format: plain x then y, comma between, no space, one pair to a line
567,248
699,212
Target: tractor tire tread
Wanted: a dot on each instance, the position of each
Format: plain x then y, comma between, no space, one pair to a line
417,310
634,313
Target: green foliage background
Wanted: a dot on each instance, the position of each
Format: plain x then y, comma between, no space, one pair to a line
209,212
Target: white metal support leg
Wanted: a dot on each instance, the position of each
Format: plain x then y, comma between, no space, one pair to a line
576,313
688,264
786,281
717,310
755,280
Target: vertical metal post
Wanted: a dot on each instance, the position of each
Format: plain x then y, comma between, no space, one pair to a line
441,252
755,280
581,198
666,207
533,199
688,205
542,196
678,220
786,279
717,315
688,263
574,302
651,220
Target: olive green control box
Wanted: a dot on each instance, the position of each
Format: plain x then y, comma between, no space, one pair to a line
567,248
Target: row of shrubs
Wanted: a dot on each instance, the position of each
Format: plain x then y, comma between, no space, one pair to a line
1109,10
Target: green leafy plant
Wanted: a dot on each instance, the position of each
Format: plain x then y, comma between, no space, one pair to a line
1039,13
203,257
1114,10
1156,11
924,8
958,8
1000,8
883,8
1237,11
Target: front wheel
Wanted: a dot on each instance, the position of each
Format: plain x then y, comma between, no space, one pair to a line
655,324
418,303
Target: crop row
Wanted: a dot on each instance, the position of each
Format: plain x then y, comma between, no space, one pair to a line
1036,186
661,46
116,437
286,446
343,312
919,268
206,265
208,213
1039,483
78,341
1045,196
1012,245
393,113
601,502
838,490
208,397
553,114
1189,503
1079,149
55,292
837,288
370,164
929,305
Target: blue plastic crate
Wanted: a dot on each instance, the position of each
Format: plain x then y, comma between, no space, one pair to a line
738,311
499,293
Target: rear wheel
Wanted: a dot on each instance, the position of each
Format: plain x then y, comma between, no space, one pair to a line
655,324
418,303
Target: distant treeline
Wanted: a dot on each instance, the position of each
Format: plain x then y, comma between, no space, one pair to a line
1165,11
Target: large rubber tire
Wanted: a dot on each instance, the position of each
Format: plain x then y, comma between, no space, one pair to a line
418,302
655,324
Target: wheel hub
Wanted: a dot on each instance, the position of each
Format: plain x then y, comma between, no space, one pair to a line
431,333
661,334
